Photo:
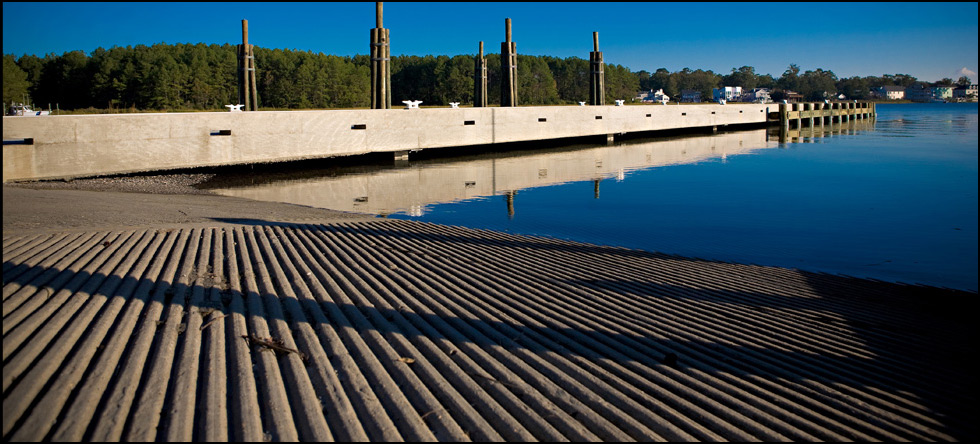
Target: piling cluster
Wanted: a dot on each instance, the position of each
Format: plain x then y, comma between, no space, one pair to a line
380,63
380,51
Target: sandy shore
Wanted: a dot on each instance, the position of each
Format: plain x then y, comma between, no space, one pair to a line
137,316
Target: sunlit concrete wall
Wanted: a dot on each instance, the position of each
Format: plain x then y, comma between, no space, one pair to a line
50,147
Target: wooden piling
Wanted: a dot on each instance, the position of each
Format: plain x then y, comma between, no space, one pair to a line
380,62
597,83
480,80
508,69
251,75
246,77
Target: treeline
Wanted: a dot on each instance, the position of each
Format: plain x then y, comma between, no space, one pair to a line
817,84
204,77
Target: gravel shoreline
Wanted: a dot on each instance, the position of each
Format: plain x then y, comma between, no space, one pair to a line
174,183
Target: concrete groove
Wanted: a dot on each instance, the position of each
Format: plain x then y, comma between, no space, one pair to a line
351,242
470,361
21,253
472,420
715,309
407,331
36,278
583,339
487,286
504,261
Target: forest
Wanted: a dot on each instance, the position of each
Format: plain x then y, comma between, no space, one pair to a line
185,77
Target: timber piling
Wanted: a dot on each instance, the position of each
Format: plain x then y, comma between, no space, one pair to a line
597,83
508,69
247,92
380,63
480,80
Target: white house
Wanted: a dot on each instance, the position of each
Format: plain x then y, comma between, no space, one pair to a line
757,95
890,92
653,96
728,93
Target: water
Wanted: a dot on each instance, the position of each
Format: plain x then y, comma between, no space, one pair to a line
893,199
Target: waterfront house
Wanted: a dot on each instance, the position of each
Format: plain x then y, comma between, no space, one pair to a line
727,93
653,96
918,93
757,95
792,96
890,92
690,96
942,93
965,92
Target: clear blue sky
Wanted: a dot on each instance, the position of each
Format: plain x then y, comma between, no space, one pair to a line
927,40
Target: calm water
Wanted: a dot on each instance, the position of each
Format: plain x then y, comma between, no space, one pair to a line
893,199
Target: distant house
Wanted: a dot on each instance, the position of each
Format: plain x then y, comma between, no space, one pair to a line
792,96
690,96
757,95
942,92
727,93
918,93
890,92
966,92
653,96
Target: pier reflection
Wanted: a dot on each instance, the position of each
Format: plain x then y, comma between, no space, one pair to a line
812,134
410,189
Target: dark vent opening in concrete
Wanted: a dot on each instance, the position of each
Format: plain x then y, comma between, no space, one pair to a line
221,133
598,117
359,126
469,122
542,119
27,141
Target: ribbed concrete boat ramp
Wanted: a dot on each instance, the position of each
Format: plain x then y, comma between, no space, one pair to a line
386,330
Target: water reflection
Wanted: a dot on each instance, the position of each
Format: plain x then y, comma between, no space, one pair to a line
821,130
411,187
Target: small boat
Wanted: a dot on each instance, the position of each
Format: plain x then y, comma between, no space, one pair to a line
19,109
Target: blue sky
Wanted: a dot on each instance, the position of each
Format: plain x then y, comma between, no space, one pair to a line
927,40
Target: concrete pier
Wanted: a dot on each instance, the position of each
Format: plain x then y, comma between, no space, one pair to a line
53,147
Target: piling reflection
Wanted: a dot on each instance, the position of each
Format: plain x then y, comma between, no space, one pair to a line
813,134
409,187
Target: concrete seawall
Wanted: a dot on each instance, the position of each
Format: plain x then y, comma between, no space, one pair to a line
56,147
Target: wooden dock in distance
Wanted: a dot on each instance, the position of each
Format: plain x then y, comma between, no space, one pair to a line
815,113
